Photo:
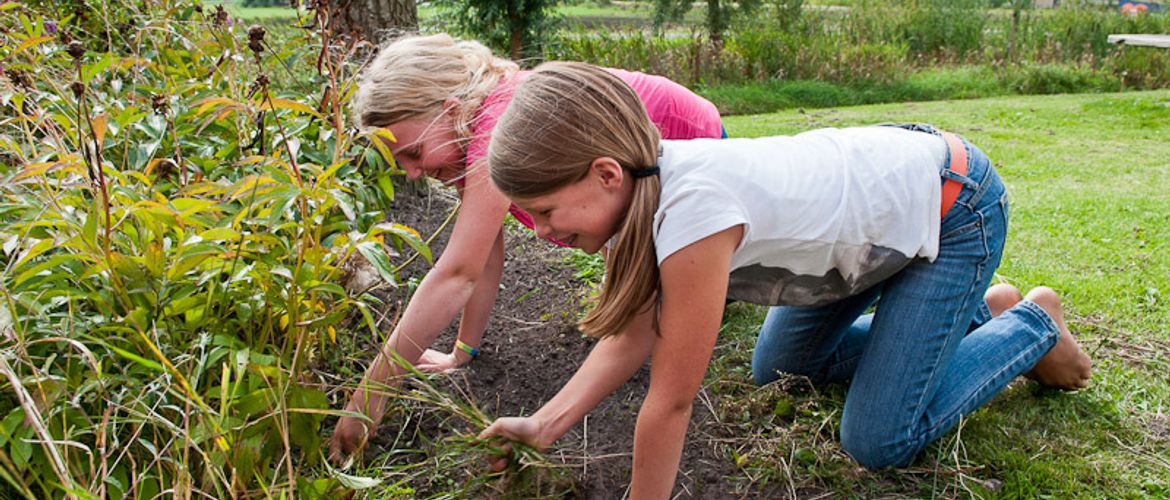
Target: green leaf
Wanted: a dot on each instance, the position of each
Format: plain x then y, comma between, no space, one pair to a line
184,304
356,482
88,71
50,263
328,173
11,424
305,427
343,203
406,234
376,254
136,358
40,247
387,185
220,234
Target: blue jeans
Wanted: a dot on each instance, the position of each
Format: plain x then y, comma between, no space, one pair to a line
930,353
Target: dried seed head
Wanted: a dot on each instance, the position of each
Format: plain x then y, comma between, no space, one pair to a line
256,38
259,83
166,168
256,33
221,15
19,78
78,88
159,104
76,49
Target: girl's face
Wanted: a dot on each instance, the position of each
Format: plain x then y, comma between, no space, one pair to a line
428,146
586,213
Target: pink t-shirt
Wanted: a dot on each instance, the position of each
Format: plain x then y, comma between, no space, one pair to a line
677,112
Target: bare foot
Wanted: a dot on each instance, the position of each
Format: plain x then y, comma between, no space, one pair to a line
1066,366
1001,297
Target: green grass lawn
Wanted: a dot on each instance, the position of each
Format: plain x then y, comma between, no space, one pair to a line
1090,217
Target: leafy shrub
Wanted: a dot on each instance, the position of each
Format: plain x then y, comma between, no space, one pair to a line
174,230
882,51
1061,79
1142,67
944,27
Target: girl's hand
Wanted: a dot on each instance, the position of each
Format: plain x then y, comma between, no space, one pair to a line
348,437
433,361
525,430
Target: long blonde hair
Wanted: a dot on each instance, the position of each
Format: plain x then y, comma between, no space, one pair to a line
415,75
564,116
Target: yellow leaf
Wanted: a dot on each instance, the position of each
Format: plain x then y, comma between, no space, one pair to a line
216,102
31,42
252,183
35,169
280,103
408,229
332,334
98,125
384,133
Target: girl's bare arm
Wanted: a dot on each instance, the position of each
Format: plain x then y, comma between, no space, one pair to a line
694,287
444,292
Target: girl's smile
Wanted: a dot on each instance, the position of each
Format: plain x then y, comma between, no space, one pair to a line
586,213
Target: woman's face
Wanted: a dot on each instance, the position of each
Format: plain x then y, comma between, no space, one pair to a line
428,146
586,213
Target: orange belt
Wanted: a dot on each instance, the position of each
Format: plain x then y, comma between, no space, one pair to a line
958,165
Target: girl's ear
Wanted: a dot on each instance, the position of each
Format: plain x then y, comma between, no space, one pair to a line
451,105
608,171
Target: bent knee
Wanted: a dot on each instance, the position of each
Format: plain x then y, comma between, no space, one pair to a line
875,451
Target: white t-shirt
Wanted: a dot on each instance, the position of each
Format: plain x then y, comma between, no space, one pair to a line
826,213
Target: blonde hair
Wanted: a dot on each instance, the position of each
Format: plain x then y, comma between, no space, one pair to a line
413,76
564,116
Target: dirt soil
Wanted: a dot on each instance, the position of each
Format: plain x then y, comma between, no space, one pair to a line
530,350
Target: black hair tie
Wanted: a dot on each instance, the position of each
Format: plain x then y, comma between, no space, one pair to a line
644,172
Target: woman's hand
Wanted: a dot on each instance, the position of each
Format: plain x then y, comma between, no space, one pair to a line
525,430
433,361
348,436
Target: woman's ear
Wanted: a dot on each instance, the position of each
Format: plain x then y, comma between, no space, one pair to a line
608,171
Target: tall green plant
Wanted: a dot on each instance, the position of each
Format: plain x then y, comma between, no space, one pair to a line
173,234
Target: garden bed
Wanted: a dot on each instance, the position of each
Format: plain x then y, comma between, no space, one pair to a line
531,349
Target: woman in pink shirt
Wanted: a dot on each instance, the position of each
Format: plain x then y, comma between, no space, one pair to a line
440,98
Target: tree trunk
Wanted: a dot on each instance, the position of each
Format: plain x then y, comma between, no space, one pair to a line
715,23
515,33
372,20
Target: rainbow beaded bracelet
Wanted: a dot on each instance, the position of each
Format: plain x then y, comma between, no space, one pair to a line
473,352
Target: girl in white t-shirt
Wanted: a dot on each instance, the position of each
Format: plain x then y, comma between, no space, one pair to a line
821,225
